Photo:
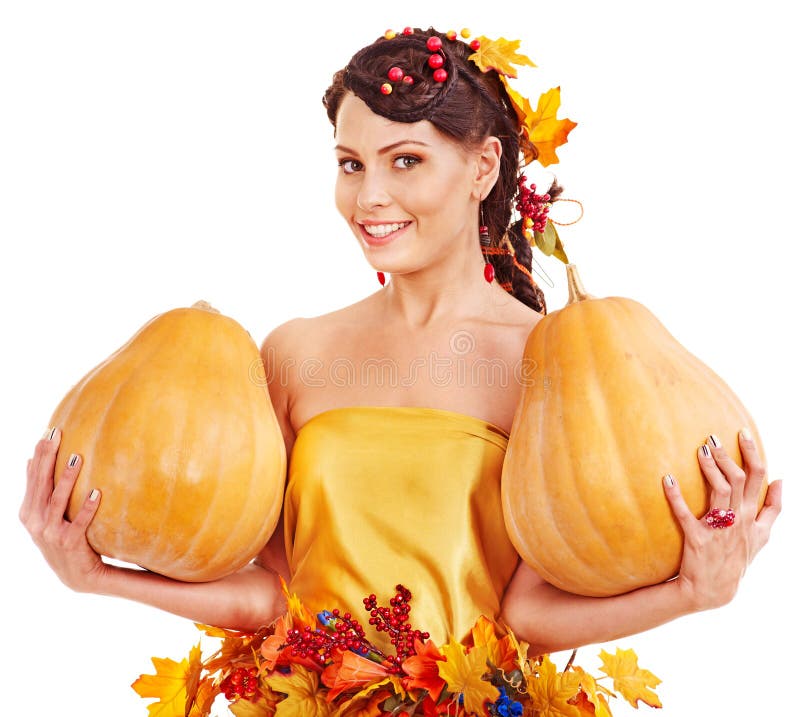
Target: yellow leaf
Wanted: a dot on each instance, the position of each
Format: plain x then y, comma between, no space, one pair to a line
630,681
245,708
203,699
463,674
593,692
551,691
501,653
499,55
546,131
174,684
299,613
303,695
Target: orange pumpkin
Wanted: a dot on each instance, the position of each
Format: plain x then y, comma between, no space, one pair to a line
615,403
177,430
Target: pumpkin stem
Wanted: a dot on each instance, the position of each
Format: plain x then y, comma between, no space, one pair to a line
205,306
575,285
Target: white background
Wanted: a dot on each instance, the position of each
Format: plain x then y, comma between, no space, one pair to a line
155,153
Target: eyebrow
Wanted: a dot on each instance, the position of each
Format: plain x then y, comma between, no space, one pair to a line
383,150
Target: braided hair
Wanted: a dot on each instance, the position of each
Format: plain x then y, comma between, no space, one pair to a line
468,106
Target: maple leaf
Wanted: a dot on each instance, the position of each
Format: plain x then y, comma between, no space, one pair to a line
203,699
545,130
553,693
364,706
174,684
591,693
300,615
501,653
422,669
463,672
499,55
303,696
630,681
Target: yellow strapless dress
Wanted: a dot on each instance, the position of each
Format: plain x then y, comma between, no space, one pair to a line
380,495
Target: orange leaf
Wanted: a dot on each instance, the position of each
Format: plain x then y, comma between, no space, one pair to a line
500,653
592,693
554,693
463,674
546,131
630,681
301,616
351,670
423,671
303,695
274,645
364,706
174,684
499,55
203,699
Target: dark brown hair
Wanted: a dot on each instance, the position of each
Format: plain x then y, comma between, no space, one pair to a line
468,106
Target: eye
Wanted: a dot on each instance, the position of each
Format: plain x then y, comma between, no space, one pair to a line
349,166
406,161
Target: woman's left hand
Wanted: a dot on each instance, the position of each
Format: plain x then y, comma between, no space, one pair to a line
715,559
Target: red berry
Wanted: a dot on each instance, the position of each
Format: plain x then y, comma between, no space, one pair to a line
408,79
434,43
395,74
386,88
475,45
440,75
408,31
488,272
435,61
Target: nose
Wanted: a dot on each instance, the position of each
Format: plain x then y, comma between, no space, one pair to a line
372,193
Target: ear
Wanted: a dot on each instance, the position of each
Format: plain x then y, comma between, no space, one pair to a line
487,167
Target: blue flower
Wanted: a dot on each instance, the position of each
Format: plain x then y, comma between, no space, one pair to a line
505,706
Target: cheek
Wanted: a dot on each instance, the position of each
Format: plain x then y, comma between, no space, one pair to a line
342,197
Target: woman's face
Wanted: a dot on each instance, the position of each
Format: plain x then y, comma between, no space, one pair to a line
407,191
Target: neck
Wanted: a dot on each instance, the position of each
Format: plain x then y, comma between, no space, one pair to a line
442,291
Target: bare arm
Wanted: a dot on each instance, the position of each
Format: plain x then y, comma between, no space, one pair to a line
712,565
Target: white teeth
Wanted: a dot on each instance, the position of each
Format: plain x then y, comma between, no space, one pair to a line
382,230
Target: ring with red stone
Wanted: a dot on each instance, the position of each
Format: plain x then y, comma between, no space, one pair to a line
720,518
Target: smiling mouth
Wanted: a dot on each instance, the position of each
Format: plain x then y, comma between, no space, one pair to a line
383,230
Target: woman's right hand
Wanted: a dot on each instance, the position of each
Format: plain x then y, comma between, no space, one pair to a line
62,542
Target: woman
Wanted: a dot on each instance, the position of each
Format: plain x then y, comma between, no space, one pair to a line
401,483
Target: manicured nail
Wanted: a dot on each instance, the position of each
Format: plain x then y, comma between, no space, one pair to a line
73,459
706,451
669,481
94,495
746,434
48,434
714,440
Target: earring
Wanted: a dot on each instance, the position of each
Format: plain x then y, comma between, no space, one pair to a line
483,232
382,278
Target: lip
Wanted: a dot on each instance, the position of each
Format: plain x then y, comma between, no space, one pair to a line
380,241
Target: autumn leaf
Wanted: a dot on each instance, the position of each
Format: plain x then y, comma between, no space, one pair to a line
174,684
301,616
553,693
500,652
364,706
203,699
592,693
463,674
303,695
246,708
545,130
630,681
499,55
422,669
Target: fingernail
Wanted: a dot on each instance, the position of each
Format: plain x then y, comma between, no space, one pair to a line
714,440
48,434
746,434
94,495
73,459
669,481
706,451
